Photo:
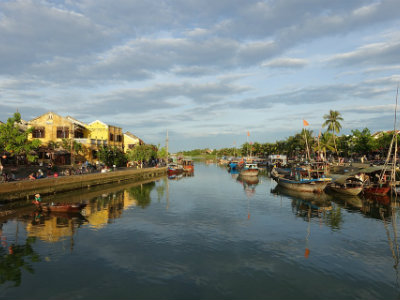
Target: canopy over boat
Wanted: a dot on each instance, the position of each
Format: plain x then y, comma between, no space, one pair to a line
343,178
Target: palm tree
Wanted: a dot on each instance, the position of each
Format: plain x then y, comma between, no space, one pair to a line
332,121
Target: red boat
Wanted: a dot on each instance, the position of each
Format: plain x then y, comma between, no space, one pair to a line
377,189
188,165
64,207
174,169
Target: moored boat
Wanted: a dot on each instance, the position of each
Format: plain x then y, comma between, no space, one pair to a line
249,170
348,185
299,183
188,165
63,207
174,169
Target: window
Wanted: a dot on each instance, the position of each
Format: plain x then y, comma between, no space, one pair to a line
78,133
38,133
111,137
62,132
119,138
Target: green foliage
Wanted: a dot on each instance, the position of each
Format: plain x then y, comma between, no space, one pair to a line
13,262
15,141
332,122
161,152
142,193
363,141
142,153
112,156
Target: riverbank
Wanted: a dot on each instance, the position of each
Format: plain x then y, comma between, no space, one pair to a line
26,189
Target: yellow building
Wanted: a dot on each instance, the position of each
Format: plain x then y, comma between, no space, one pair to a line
109,135
51,127
130,141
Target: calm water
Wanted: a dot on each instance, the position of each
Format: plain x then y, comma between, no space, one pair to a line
209,236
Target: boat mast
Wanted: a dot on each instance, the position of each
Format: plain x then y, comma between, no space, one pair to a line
394,140
166,146
393,173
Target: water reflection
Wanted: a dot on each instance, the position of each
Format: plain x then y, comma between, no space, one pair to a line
15,258
249,184
103,207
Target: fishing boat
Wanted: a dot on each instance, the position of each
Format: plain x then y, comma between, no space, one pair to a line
348,185
233,165
249,170
188,165
174,169
300,181
376,180
63,207
381,183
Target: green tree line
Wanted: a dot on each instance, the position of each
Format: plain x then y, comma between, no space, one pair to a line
358,143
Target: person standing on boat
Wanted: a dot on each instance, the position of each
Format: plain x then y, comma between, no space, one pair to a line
37,200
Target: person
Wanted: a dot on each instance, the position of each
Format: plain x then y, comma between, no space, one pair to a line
32,176
40,174
37,201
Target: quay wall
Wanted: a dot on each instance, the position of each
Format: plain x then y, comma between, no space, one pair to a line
26,189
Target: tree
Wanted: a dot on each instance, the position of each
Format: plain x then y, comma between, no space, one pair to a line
364,142
15,141
333,124
112,156
325,143
142,153
161,152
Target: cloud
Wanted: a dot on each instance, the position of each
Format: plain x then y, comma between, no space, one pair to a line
371,54
286,62
32,32
162,96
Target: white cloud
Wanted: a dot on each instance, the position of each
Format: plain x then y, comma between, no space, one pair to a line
286,62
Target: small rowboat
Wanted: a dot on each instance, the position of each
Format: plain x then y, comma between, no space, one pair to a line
63,207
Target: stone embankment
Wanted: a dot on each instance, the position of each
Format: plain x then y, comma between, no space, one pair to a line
27,188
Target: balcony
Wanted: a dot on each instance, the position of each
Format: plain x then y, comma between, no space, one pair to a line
81,140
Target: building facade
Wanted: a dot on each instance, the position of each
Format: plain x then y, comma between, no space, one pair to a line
130,141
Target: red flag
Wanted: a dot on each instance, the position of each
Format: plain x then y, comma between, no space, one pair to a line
305,123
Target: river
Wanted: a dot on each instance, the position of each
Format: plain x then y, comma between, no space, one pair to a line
206,236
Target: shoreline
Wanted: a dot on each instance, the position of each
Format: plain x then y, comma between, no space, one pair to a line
17,190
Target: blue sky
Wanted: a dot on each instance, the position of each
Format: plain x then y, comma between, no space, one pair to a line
208,71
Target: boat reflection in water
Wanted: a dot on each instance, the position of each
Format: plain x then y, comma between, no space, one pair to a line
303,201
249,184
308,206
181,175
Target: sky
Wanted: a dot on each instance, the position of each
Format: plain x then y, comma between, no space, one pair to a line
208,72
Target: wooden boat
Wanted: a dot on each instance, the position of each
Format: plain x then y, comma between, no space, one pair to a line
348,185
174,169
249,170
377,188
233,165
376,180
300,183
188,165
63,207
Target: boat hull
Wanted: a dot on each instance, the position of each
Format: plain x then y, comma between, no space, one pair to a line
353,191
310,187
188,168
64,207
249,172
377,189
